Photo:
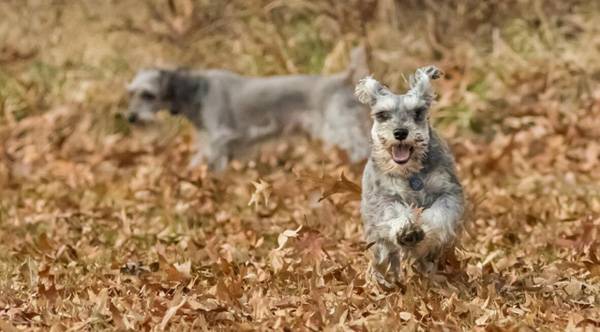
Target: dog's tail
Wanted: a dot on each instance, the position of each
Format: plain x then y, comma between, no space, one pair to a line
358,66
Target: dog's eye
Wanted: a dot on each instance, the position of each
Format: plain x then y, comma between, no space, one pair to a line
147,96
420,113
382,116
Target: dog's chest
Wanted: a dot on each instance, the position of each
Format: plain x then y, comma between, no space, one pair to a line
412,191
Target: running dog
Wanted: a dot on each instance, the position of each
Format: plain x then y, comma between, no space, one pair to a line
412,201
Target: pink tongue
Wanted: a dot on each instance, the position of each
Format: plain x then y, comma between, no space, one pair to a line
400,153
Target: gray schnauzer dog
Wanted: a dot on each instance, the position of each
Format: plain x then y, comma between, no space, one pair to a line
234,112
412,201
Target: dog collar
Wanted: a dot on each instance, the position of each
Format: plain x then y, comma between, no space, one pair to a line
415,182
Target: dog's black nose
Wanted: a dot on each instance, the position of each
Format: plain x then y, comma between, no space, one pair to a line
400,133
132,118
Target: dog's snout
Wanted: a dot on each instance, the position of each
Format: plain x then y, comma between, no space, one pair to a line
400,133
132,118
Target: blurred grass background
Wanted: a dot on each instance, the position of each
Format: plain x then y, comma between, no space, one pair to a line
70,51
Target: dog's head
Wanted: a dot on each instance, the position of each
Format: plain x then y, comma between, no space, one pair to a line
400,133
146,94
152,90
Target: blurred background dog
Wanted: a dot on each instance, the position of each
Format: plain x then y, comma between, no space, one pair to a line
234,111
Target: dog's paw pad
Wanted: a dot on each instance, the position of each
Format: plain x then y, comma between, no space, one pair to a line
410,236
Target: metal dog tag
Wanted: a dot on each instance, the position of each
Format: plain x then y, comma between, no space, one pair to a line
415,183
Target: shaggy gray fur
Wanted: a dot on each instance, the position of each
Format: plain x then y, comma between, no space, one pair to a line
235,112
410,167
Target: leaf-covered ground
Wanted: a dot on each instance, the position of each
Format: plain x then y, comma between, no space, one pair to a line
102,227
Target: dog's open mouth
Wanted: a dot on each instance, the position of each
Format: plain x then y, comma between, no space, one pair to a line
401,153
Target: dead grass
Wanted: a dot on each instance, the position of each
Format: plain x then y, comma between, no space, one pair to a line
103,228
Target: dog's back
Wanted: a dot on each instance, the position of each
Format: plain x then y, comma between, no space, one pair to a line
323,105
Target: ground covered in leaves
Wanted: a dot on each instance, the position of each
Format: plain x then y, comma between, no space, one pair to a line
103,227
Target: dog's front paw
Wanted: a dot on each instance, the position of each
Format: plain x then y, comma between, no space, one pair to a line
410,235
432,72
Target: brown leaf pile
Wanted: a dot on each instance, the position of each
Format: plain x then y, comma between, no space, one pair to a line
103,228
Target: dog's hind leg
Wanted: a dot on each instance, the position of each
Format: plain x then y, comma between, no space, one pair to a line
344,124
385,267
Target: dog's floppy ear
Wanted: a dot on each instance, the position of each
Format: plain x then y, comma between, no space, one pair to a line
368,90
167,88
180,90
420,82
